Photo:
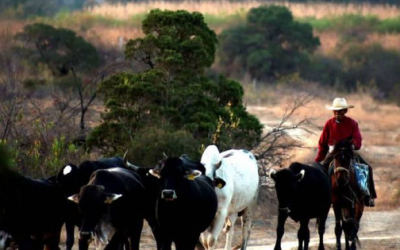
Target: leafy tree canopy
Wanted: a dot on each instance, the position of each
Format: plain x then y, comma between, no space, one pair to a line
270,44
60,49
174,94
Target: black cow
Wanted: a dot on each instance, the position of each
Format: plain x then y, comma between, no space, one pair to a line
304,192
71,178
115,195
186,202
31,211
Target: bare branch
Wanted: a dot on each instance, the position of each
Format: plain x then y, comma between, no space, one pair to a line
274,145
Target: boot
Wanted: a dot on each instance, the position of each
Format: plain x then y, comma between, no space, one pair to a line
369,202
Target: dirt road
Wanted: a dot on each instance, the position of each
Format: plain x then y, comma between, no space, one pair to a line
379,230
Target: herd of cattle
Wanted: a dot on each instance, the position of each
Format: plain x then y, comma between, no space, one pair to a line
185,202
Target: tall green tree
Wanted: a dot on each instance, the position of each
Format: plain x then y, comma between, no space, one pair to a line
270,44
60,49
174,96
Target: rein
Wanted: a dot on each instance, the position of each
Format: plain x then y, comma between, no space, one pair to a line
340,169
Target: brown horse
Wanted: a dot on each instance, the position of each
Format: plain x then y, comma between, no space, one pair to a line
347,198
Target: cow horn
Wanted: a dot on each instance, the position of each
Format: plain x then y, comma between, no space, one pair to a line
302,173
154,173
74,198
111,198
129,165
271,172
165,155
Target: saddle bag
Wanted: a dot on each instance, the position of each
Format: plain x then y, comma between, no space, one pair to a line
361,174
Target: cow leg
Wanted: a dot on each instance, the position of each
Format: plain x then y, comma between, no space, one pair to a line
231,231
280,230
247,223
187,242
162,241
338,226
26,244
199,246
52,243
303,234
321,231
203,238
216,228
135,233
115,242
70,231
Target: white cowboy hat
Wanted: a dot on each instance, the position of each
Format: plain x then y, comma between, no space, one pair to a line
339,104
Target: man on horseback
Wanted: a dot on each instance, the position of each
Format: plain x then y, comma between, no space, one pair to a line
336,129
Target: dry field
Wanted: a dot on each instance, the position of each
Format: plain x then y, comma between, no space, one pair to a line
317,10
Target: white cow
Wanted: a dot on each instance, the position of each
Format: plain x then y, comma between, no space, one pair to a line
239,170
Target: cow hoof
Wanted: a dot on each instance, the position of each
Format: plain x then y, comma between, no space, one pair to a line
211,242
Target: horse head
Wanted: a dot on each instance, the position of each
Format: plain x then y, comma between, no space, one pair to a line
343,155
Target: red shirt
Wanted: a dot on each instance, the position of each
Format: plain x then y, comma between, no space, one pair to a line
334,132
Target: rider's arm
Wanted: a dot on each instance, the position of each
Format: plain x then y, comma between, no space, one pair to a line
323,143
357,139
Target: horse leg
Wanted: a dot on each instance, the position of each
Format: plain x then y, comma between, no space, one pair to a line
280,230
358,212
303,234
338,226
347,229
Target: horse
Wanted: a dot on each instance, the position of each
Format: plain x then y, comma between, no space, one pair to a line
347,197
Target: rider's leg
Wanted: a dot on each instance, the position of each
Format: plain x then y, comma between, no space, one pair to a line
369,200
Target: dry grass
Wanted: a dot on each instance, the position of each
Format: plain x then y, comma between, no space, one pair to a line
330,41
317,10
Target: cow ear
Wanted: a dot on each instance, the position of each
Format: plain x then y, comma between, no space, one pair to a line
112,197
74,198
218,165
219,183
298,177
193,175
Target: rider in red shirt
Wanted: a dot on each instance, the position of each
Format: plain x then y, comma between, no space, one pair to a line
338,128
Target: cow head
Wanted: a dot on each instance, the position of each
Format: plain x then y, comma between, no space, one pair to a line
68,179
212,161
286,182
173,173
93,201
